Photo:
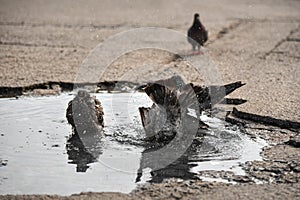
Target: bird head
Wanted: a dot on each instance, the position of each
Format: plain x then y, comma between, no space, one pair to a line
82,94
196,16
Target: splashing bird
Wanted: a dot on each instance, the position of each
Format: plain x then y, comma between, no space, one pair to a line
172,102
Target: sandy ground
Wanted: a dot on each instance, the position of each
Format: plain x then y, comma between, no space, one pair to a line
254,41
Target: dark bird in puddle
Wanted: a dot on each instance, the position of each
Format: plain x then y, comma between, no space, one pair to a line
170,119
171,99
173,102
85,114
197,34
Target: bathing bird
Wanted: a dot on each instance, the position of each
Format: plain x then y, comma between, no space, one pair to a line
172,102
172,127
197,34
85,113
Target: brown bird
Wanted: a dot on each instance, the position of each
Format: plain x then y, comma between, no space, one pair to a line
85,114
197,34
172,99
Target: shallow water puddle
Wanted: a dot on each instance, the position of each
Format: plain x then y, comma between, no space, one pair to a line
38,156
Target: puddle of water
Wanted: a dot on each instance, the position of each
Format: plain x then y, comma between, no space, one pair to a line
40,157
225,148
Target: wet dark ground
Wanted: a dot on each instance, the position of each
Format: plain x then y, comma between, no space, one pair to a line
40,153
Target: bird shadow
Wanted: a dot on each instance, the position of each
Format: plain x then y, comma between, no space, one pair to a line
186,54
180,168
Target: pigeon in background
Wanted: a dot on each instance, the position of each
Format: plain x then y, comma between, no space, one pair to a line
197,34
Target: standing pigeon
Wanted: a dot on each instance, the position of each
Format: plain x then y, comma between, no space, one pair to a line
197,34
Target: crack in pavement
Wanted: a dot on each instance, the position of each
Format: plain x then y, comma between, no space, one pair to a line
286,39
225,30
38,45
71,26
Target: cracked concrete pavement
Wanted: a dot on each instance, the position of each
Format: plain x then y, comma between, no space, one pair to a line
254,41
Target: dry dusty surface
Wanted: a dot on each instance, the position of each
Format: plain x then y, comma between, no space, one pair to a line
257,42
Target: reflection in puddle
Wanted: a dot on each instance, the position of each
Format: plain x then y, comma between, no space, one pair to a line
80,155
42,155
